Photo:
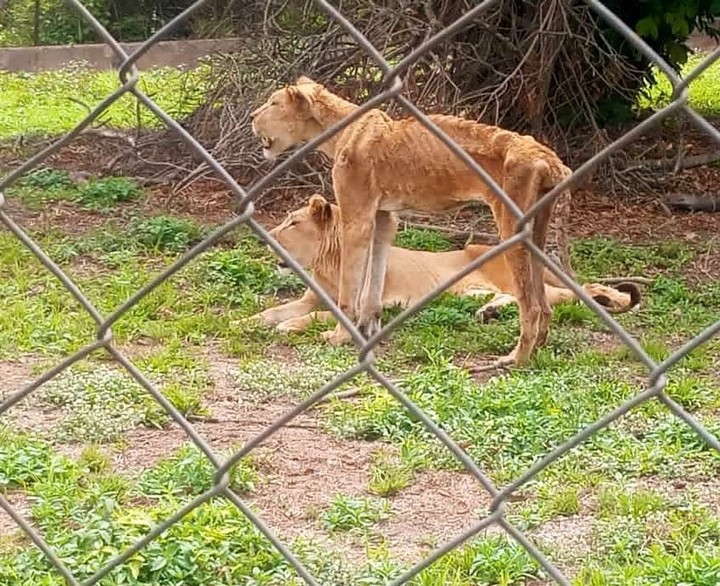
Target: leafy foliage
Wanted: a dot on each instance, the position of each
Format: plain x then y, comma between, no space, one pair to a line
102,194
345,513
166,233
60,23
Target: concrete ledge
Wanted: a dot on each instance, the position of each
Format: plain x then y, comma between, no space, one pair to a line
183,54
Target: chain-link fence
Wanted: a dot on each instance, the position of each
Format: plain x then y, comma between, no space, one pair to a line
129,77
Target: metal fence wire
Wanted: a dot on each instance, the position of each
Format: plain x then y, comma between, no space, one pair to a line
129,76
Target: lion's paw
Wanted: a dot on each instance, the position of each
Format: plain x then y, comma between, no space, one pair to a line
337,336
290,325
369,327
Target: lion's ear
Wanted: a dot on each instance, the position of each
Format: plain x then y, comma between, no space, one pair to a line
302,96
320,208
303,80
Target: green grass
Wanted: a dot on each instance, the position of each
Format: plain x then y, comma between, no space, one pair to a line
53,102
45,185
703,95
221,288
505,423
619,482
417,239
388,475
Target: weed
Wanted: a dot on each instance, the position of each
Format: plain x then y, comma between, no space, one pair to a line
190,473
187,400
103,194
416,239
39,187
240,270
48,179
100,404
388,475
94,460
166,233
564,502
345,513
489,560
270,378
23,459
617,501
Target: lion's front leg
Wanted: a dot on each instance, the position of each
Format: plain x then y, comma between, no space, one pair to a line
286,311
302,323
372,300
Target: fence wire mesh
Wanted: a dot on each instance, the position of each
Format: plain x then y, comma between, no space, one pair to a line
129,76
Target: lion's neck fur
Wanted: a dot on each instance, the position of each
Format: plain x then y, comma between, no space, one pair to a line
326,263
327,110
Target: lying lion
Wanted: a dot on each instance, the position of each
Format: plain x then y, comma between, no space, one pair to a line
382,165
311,234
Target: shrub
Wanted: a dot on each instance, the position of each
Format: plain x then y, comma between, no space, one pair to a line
166,233
104,193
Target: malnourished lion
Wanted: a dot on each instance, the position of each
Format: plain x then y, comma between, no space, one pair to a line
311,235
382,165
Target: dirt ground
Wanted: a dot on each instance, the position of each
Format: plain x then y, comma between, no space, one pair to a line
302,467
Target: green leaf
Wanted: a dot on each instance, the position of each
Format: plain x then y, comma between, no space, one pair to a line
647,27
158,564
678,24
677,52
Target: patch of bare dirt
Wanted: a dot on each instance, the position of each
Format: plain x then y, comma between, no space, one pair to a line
14,375
703,490
435,508
60,215
570,539
9,529
706,264
303,468
26,415
639,222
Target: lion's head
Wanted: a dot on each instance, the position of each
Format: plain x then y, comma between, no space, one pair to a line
285,119
310,234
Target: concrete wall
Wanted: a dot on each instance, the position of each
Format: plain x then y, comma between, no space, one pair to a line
101,57
163,54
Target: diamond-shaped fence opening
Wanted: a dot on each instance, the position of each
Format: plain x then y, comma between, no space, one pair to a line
221,488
